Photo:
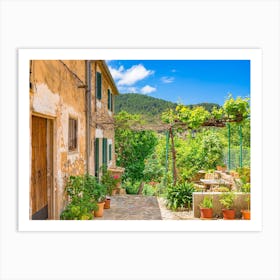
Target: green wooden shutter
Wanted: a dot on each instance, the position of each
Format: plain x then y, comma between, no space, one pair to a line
104,152
109,100
112,104
98,85
96,157
110,151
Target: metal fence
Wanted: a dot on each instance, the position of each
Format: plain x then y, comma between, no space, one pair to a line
235,160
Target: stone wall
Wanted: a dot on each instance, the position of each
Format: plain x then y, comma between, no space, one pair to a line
239,203
57,92
102,118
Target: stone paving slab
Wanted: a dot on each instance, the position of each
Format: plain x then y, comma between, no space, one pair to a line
132,207
139,207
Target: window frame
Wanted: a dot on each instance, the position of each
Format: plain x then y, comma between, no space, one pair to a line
72,132
98,85
109,102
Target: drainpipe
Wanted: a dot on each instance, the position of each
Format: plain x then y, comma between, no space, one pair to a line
88,112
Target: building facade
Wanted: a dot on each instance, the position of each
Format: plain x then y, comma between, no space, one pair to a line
71,128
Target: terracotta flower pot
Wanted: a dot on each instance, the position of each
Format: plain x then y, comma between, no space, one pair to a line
246,214
99,212
228,214
107,203
206,213
221,168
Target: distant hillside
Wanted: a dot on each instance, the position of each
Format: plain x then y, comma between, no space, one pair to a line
135,103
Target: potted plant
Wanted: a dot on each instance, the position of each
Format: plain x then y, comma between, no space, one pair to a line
246,213
99,194
110,182
106,180
227,200
206,208
222,167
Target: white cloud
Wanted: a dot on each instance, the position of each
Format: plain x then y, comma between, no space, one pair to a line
173,70
130,76
147,89
116,73
131,89
167,80
128,89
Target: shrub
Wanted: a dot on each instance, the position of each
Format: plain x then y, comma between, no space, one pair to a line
149,190
131,188
75,211
180,196
80,191
244,174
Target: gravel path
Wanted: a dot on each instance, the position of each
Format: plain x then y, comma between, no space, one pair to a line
167,214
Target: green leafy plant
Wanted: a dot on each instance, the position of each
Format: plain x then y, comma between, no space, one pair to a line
132,146
222,188
80,191
246,188
217,113
207,202
227,199
149,190
237,109
244,174
99,192
78,211
153,171
131,187
193,117
180,196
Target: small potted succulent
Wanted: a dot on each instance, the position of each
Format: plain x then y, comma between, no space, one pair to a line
227,200
206,208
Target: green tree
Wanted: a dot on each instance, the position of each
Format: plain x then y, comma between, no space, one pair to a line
132,146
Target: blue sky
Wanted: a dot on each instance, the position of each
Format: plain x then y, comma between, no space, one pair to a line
184,81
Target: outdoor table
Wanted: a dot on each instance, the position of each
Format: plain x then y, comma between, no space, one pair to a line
214,182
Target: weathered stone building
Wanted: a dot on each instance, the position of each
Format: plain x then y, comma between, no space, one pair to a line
71,128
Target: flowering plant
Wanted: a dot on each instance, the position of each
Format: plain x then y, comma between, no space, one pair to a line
116,180
109,180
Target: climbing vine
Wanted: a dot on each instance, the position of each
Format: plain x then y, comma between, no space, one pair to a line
185,118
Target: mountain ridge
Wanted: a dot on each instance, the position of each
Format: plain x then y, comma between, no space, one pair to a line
137,103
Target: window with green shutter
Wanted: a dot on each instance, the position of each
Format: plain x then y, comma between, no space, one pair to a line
110,152
104,152
112,103
109,100
98,85
96,157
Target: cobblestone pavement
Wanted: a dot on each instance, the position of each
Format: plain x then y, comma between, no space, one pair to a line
138,207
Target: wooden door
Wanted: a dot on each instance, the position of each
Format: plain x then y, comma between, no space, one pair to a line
39,183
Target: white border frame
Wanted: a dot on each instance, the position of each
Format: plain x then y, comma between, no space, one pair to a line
254,55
